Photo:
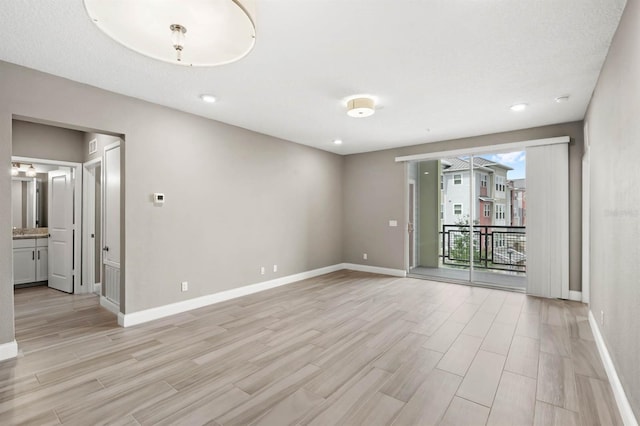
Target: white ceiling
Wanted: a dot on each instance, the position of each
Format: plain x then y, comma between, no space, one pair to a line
440,69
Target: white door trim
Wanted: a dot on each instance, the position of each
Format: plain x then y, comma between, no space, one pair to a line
485,150
77,240
586,216
88,224
413,182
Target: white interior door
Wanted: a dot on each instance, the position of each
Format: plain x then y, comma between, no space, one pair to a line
61,231
111,222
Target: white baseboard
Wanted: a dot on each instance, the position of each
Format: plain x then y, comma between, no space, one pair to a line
375,269
97,288
624,407
109,305
8,350
134,318
575,295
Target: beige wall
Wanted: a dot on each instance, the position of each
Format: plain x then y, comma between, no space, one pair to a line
48,142
613,132
375,193
236,200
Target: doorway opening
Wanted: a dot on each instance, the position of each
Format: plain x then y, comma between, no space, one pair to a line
470,219
44,218
58,228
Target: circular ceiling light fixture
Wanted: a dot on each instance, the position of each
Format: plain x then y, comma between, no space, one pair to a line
204,33
337,141
518,107
361,107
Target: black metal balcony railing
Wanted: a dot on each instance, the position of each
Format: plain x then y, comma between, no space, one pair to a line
501,248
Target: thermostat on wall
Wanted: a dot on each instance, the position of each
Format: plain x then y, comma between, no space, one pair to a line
158,198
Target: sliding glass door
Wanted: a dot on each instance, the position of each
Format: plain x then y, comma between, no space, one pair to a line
470,219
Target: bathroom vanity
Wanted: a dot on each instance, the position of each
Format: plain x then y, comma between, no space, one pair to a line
30,255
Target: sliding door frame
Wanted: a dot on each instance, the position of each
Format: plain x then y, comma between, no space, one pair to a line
470,152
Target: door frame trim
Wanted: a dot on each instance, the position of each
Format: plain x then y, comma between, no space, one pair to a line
77,213
413,182
88,194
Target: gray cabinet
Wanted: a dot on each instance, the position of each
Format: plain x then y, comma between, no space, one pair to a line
42,262
30,260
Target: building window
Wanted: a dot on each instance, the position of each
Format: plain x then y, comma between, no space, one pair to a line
441,182
500,183
441,211
483,181
457,209
457,179
499,211
487,210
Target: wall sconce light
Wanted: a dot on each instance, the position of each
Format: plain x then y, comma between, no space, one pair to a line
31,171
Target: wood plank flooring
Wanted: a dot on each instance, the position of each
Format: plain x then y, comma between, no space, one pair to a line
345,348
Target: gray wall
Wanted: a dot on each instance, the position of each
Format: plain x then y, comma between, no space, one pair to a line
47,142
375,192
613,132
236,200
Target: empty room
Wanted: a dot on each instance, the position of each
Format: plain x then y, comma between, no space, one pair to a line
279,212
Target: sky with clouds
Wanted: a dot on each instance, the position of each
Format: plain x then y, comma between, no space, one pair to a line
511,159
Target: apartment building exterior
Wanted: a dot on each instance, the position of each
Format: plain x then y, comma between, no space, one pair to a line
518,193
493,193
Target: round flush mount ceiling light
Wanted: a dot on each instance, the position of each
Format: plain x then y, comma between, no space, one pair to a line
562,99
518,107
202,33
337,141
208,98
361,107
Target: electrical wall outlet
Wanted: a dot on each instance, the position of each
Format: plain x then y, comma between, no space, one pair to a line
185,285
364,256
275,268
262,270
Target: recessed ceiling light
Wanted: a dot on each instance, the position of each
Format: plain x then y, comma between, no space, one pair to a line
518,107
208,98
561,99
337,141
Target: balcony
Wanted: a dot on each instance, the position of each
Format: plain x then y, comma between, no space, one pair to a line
498,248
499,256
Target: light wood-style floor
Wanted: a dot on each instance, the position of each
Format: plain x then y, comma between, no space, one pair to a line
345,348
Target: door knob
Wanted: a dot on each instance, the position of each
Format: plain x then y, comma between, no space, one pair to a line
105,248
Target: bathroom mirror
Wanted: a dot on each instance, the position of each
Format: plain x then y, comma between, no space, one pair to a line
28,201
